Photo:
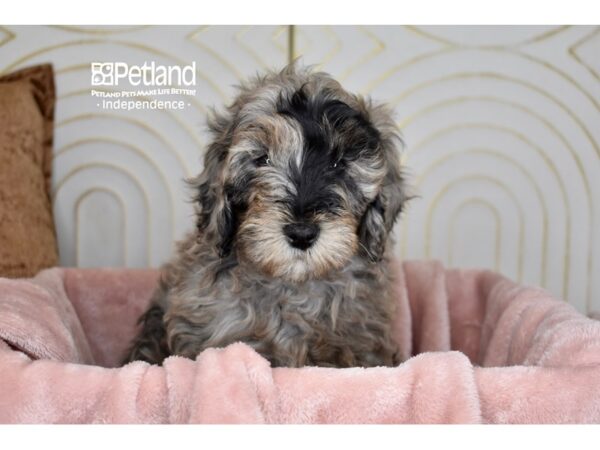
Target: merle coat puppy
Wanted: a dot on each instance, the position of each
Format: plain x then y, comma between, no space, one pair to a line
300,189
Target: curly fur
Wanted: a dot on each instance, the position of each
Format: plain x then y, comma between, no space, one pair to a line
293,148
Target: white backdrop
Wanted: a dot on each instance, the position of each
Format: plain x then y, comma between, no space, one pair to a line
502,131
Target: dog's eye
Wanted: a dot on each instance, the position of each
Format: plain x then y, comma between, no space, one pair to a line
262,161
337,164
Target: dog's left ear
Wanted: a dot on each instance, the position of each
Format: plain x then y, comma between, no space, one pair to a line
381,214
215,199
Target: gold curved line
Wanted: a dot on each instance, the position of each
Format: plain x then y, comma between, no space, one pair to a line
432,37
524,139
279,30
540,152
466,125
534,88
80,199
131,120
442,192
594,144
73,68
562,74
485,151
372,54
573,52
183,125
336,48
138,151
99,31
49,49
60,183
224,62
543,36
134,45
574,155
238,38
545,64
9,36
388,73
498,220
520,136
537,38
337,45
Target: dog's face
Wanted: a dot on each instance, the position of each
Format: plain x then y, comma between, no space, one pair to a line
301,177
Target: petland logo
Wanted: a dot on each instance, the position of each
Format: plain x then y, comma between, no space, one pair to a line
148,74
149,86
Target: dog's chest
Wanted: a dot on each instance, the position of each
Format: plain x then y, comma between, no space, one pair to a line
340,322
288,322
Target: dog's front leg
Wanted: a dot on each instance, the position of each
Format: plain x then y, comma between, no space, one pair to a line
150,344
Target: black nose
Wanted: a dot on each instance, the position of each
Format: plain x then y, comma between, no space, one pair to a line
301,235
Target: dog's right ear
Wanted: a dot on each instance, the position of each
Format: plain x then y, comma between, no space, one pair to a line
381,214
378,220
216,217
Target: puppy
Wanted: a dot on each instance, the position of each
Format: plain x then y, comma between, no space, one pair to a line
300,189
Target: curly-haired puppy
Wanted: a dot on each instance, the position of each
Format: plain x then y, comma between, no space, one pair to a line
300,189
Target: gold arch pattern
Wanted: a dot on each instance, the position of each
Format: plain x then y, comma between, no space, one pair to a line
536,38
576,158
85,194
138,123
113,167
538,192
549,164
574,48
137,151
439,196
498,228
374,69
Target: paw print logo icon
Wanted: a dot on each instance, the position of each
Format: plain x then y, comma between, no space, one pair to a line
102,74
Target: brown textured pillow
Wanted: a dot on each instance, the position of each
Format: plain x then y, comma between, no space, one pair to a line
27,234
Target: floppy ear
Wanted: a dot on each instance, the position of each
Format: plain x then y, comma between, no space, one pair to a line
216,215
382,212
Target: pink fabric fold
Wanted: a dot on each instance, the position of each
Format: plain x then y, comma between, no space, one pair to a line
478,347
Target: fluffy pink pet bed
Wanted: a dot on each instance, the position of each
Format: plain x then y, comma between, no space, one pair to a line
487,350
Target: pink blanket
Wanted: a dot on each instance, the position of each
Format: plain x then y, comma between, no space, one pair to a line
487,350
